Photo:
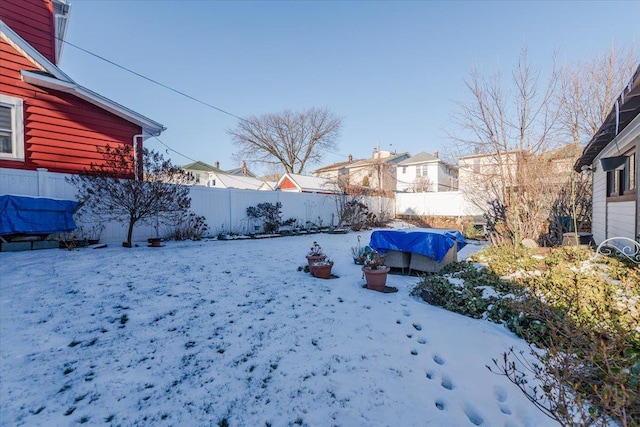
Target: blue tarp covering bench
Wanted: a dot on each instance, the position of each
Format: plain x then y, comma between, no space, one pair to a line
35,216
430,249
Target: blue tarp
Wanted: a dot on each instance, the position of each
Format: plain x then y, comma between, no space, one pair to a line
35,215
431,242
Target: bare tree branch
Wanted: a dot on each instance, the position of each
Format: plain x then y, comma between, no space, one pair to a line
294,139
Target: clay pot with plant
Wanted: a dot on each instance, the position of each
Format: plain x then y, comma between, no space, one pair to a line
315,255
375,271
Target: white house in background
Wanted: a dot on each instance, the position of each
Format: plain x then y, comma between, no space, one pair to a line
307,184
227,180
200,171
613,156
426,172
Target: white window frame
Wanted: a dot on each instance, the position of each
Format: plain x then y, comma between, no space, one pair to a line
17,127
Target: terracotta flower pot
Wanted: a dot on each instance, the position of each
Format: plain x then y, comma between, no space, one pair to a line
154,242
322,271
376,279
315,258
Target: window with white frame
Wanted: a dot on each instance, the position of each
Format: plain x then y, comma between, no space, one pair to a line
11,128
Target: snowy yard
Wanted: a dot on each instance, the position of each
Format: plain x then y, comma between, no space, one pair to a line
230,332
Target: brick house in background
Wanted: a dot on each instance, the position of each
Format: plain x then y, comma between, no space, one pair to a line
47,120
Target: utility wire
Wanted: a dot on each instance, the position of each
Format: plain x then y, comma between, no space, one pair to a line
156,82
177,152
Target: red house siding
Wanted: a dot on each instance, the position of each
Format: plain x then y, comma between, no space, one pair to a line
61,131
33,21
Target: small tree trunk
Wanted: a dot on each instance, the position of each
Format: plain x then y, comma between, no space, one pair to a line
130,231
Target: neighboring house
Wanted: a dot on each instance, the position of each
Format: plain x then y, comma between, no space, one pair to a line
241,171
337,172
200,171
478,170
213,176
47,120
227,180
306,184
375,173
425,172
613,156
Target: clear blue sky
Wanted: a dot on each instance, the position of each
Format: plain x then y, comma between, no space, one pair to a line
391,69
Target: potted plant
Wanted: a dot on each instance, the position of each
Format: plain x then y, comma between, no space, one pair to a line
154,242
315,255
321,269
94,232
375,271
359,253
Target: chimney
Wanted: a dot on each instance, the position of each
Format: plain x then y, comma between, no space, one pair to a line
244,168
350,158
435,154
217,164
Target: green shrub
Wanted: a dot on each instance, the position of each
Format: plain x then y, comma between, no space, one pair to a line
584,314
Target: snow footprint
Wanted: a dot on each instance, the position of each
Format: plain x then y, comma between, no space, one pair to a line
501,396
473,415
446,383
440,404
438,359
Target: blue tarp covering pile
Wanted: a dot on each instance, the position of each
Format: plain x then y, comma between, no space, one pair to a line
35,215
431,242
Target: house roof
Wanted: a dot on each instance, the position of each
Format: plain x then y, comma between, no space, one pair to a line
334,166
241,171
624,110
52,77
421,157
201,166
240,182
309,184
392,159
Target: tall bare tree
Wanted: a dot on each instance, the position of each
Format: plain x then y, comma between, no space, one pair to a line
293,139
588,89
506,125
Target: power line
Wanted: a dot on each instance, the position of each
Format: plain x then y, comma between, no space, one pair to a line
179,92
177,152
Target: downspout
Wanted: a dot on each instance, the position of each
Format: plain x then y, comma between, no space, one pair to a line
136,166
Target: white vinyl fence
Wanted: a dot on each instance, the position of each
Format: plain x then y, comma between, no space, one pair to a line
223,209
447,203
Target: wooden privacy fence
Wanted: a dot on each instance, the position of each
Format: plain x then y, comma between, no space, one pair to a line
223,209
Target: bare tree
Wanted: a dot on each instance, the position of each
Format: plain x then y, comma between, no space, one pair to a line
506,127
162,196
292,139
588,89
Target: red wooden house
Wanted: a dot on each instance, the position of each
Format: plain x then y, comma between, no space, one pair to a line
46,119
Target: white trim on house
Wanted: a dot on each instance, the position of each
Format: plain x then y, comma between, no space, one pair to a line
15,106
58,80
149,126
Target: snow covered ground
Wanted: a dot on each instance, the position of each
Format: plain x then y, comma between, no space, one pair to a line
203,333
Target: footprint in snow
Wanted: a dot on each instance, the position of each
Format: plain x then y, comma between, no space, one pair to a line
417,326
407,313
440,404
447,383
473,415
422,340
438,359
500,393
430,375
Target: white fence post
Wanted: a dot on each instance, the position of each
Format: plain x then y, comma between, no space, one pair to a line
43,182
